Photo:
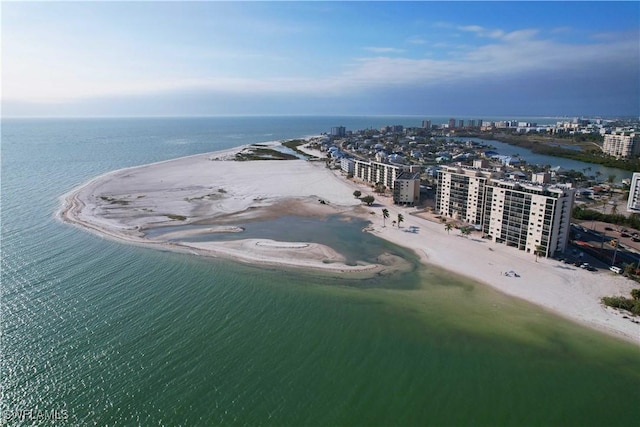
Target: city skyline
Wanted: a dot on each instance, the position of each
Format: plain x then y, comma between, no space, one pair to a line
338,58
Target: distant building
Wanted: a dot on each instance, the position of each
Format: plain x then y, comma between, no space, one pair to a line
452,123
426,124
406,188
481,163
460,123
633,205
338,131
541,177
621,144
518,213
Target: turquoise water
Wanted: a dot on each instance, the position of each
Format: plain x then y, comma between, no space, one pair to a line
121,335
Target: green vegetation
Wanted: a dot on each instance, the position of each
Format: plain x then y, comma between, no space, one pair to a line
114,201
584,214
400,219
260,153
539,251
294,144
385,215
357,194
465,231
629,304
448,226
369,199
211,196
177,217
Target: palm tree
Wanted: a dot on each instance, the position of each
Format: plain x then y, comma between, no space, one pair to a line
614,208
385,215
465,231
400,219
448,227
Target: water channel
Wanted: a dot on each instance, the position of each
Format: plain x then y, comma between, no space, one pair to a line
530,157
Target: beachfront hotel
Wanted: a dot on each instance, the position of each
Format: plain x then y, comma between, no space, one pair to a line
522,214
622,144
633,203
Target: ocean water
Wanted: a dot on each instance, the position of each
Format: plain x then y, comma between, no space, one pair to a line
95,331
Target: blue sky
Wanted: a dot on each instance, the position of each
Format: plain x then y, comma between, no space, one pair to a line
229,58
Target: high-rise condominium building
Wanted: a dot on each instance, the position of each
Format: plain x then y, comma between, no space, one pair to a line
531,217
338,131
621,144
633,204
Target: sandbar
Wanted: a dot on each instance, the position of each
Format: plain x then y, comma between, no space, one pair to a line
215,191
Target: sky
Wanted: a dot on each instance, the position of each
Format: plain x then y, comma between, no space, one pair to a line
320,58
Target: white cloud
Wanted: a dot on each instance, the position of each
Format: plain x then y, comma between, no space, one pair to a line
417,40
383,49
50,76
481,31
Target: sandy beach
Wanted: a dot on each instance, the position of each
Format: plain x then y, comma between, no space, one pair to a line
213,191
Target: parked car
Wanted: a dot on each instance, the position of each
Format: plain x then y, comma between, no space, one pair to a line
615,269
608,228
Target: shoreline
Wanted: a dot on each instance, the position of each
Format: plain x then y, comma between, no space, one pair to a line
207,188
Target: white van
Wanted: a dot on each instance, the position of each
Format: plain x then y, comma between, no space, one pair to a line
615,269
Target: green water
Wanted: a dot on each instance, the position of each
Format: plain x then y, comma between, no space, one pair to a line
120,335
296,350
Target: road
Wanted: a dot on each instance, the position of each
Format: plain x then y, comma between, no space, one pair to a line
595,235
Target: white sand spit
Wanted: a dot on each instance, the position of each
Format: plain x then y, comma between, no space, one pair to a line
208,189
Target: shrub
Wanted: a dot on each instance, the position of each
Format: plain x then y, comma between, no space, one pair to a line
177,217
368,200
